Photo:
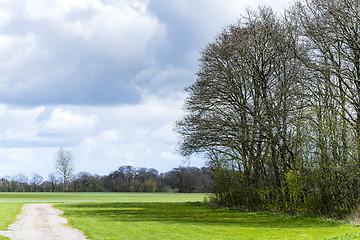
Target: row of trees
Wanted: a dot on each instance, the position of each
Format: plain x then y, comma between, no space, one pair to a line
125,179
276,110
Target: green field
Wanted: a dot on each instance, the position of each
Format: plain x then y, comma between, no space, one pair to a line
99,197
192,221
171,216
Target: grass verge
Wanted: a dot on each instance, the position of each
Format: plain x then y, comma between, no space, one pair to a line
8,213
138,220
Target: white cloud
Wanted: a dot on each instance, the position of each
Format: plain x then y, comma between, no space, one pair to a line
5,17
167,81
55,10
101,78
97,47
27,161
164,134
18,124
123,29
139,135
213,14
170,156
101,139
18,134
18,50
62,120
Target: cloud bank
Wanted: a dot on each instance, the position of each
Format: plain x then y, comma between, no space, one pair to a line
101,78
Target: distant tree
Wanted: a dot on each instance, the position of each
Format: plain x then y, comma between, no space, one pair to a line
54,181
96,184
14,185
85,182
147,179
81,182
36,181
23,182
64,167
149,186
188,179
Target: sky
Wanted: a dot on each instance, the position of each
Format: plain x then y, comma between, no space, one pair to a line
103,79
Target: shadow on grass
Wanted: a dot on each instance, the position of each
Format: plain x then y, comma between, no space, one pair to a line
188,213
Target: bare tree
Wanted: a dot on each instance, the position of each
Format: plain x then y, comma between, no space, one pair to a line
241,111
276,109
64,167
23,182
36,181
331,31
53,180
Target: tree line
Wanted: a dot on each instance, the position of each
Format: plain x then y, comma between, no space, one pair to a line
125,179
276,110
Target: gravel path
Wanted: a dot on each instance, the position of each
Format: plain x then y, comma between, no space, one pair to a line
41,222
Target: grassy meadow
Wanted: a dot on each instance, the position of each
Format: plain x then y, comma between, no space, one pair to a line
192,221
56,197
171,216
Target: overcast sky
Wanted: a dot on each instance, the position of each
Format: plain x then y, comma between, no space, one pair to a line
103,79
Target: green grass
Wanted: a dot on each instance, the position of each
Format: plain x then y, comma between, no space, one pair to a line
8,213
351,236
170,216
10,203
99,197
138,220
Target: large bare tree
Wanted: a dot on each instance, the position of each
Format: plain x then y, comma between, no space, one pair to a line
64,167
241,110
276,109
331,31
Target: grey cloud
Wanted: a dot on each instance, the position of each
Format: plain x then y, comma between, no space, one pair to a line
65,68
190,25
90,55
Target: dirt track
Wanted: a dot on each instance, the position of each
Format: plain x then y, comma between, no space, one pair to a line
41,222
